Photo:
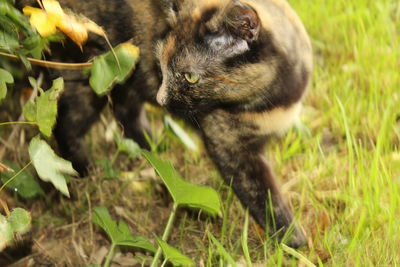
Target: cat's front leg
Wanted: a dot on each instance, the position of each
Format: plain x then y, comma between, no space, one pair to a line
236,149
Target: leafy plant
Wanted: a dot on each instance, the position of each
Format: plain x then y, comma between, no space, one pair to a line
5,77
128,146
17,222
113,67
18,40
43,111
119,234
183,194
25,186
173,255
49,166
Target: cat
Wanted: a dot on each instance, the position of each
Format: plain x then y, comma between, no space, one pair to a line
236,69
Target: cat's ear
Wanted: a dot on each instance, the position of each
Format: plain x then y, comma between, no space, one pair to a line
231,29
242,21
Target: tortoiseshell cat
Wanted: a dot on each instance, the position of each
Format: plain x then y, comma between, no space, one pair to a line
238,69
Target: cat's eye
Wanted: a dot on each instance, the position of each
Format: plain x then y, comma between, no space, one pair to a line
192,77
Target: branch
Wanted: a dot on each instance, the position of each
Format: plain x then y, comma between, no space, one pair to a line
52,64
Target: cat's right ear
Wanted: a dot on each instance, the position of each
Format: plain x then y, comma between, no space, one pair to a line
232,29
242,21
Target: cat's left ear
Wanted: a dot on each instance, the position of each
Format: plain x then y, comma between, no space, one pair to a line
243,21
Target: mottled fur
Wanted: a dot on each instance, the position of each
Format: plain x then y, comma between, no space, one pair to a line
253,60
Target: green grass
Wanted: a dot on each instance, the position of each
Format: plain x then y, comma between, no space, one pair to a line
342,174
349,166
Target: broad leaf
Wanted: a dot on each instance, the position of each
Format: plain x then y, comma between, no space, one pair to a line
119,234
5,77
128,146
6,232
29,111
180,133
174,255
8,42
111,68
20,220
184,193
44,110
24,185
46,107
49,166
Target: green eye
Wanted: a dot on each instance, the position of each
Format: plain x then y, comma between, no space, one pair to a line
192,78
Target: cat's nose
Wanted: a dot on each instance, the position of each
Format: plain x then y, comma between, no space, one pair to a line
162,95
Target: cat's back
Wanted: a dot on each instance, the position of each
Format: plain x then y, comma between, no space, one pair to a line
286,29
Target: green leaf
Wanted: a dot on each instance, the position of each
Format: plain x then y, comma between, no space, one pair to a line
44,110
20,220
221,250
46,107
184,193
18,19
119,234
180,133
174,255
49,166
6,232
24,185
8,42
128,146
5,77
29,111
111,68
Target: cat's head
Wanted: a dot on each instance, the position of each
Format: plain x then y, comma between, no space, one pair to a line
203,55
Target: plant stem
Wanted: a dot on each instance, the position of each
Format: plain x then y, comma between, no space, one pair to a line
109,256
52,64
164,262
17,122
12,178
165,236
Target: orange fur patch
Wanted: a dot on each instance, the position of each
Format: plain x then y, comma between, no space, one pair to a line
225,79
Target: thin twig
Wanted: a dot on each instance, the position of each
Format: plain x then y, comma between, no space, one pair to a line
5,207
15,176
4,167
52,64
17,122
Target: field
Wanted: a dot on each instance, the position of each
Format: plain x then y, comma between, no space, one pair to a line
340,168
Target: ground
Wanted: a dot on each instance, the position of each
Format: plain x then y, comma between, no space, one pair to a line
340,169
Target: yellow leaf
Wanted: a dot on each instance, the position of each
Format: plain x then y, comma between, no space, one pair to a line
53,7
52,17
40,20
93,27
131,49
73,29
